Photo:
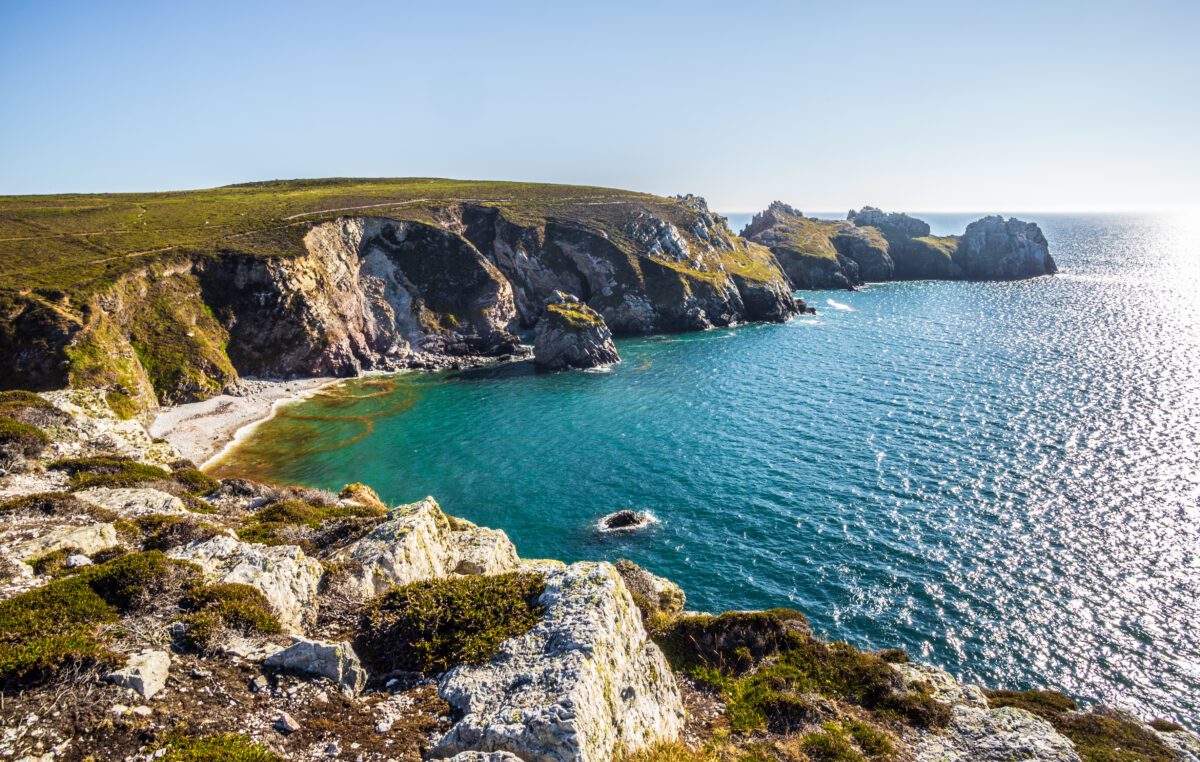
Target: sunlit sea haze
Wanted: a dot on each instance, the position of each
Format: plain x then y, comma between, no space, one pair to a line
1002,478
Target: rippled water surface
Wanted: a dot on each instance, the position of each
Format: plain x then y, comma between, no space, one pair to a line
1003,478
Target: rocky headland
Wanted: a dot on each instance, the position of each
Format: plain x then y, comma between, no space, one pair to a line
148,611
875,246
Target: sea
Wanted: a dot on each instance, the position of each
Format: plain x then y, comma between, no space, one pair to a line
1001,478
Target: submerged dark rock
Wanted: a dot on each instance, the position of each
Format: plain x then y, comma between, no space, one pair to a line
624,519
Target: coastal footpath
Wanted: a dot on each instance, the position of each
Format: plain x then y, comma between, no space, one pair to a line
148,611
170,298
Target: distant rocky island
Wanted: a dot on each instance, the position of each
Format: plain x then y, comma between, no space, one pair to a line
150,611
872,245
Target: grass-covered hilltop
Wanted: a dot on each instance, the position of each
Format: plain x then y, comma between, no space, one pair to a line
148,611
161,298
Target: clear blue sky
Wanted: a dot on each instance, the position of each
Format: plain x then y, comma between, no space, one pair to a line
919,106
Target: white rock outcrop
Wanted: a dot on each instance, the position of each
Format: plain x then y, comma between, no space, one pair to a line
95,429
283,573
86,539
336,661
144,672
419,541
583,683
977,732
133,502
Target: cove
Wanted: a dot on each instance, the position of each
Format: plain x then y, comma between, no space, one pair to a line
1002,478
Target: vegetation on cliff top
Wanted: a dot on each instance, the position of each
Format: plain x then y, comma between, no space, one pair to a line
576,315
75,244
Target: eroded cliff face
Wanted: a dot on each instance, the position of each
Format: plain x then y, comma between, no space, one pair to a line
452,284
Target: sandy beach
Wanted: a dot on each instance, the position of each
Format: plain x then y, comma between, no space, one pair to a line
201,430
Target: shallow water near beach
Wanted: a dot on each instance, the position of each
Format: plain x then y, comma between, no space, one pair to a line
1002,478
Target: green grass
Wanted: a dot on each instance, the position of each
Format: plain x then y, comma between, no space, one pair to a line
61,622
431,626
230,747
578,316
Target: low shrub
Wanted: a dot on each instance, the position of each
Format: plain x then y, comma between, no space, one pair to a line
44,503
121,471
108,471
734,641
917,707
894,655
873,742
27,407
1044,704
1166,726
431,626
21,439
226,606
52,563
1097,736
46,628
1104,738
163,532
230,747
195,481
294,522
768,666
829,744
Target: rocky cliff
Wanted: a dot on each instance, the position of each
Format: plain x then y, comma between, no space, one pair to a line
418,285
150,612
873,246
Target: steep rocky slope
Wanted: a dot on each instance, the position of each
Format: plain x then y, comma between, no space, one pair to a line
872,245
149,612
336,289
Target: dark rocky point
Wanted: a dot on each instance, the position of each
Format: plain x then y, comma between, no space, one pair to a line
572,335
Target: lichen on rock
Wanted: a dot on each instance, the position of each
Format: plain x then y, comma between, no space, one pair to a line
418,541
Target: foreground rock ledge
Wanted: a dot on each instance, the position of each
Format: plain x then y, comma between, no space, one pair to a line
584,682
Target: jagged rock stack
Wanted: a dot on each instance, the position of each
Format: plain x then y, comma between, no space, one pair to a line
571,334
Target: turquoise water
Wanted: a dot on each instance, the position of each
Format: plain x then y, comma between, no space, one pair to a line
1002,478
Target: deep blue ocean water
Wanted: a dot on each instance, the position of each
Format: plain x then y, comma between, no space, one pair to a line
1002,478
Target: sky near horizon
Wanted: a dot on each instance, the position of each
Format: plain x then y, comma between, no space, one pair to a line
1015,106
